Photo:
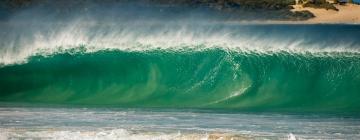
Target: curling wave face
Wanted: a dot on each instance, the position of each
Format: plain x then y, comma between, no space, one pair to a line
218,66
210,78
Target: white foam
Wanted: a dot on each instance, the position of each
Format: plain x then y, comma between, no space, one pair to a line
291,137
114,134
20,45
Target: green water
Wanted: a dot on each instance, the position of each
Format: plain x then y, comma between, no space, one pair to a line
206,78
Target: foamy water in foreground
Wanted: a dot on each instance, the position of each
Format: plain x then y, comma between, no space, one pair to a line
102,123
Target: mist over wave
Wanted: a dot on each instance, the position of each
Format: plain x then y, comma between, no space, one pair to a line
18,42
47,27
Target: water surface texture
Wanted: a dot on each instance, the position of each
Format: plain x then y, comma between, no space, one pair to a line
296,68
83,123
181,80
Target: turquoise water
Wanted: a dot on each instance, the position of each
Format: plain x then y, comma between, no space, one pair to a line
208,78
179,81
291,68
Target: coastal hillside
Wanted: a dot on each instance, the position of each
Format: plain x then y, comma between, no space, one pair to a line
277,11
224,9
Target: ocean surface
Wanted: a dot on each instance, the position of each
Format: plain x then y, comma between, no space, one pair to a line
200,80
162,124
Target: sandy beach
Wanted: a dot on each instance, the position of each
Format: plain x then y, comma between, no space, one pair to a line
349,13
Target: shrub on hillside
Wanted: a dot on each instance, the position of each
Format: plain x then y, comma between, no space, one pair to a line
320,4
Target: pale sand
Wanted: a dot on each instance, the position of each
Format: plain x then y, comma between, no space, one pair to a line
349,14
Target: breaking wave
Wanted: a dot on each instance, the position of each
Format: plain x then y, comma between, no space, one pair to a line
217,66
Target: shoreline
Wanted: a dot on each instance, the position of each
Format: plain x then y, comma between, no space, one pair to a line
346,14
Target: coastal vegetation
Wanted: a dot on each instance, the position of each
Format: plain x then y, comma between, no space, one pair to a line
228,9
320,4
324,4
